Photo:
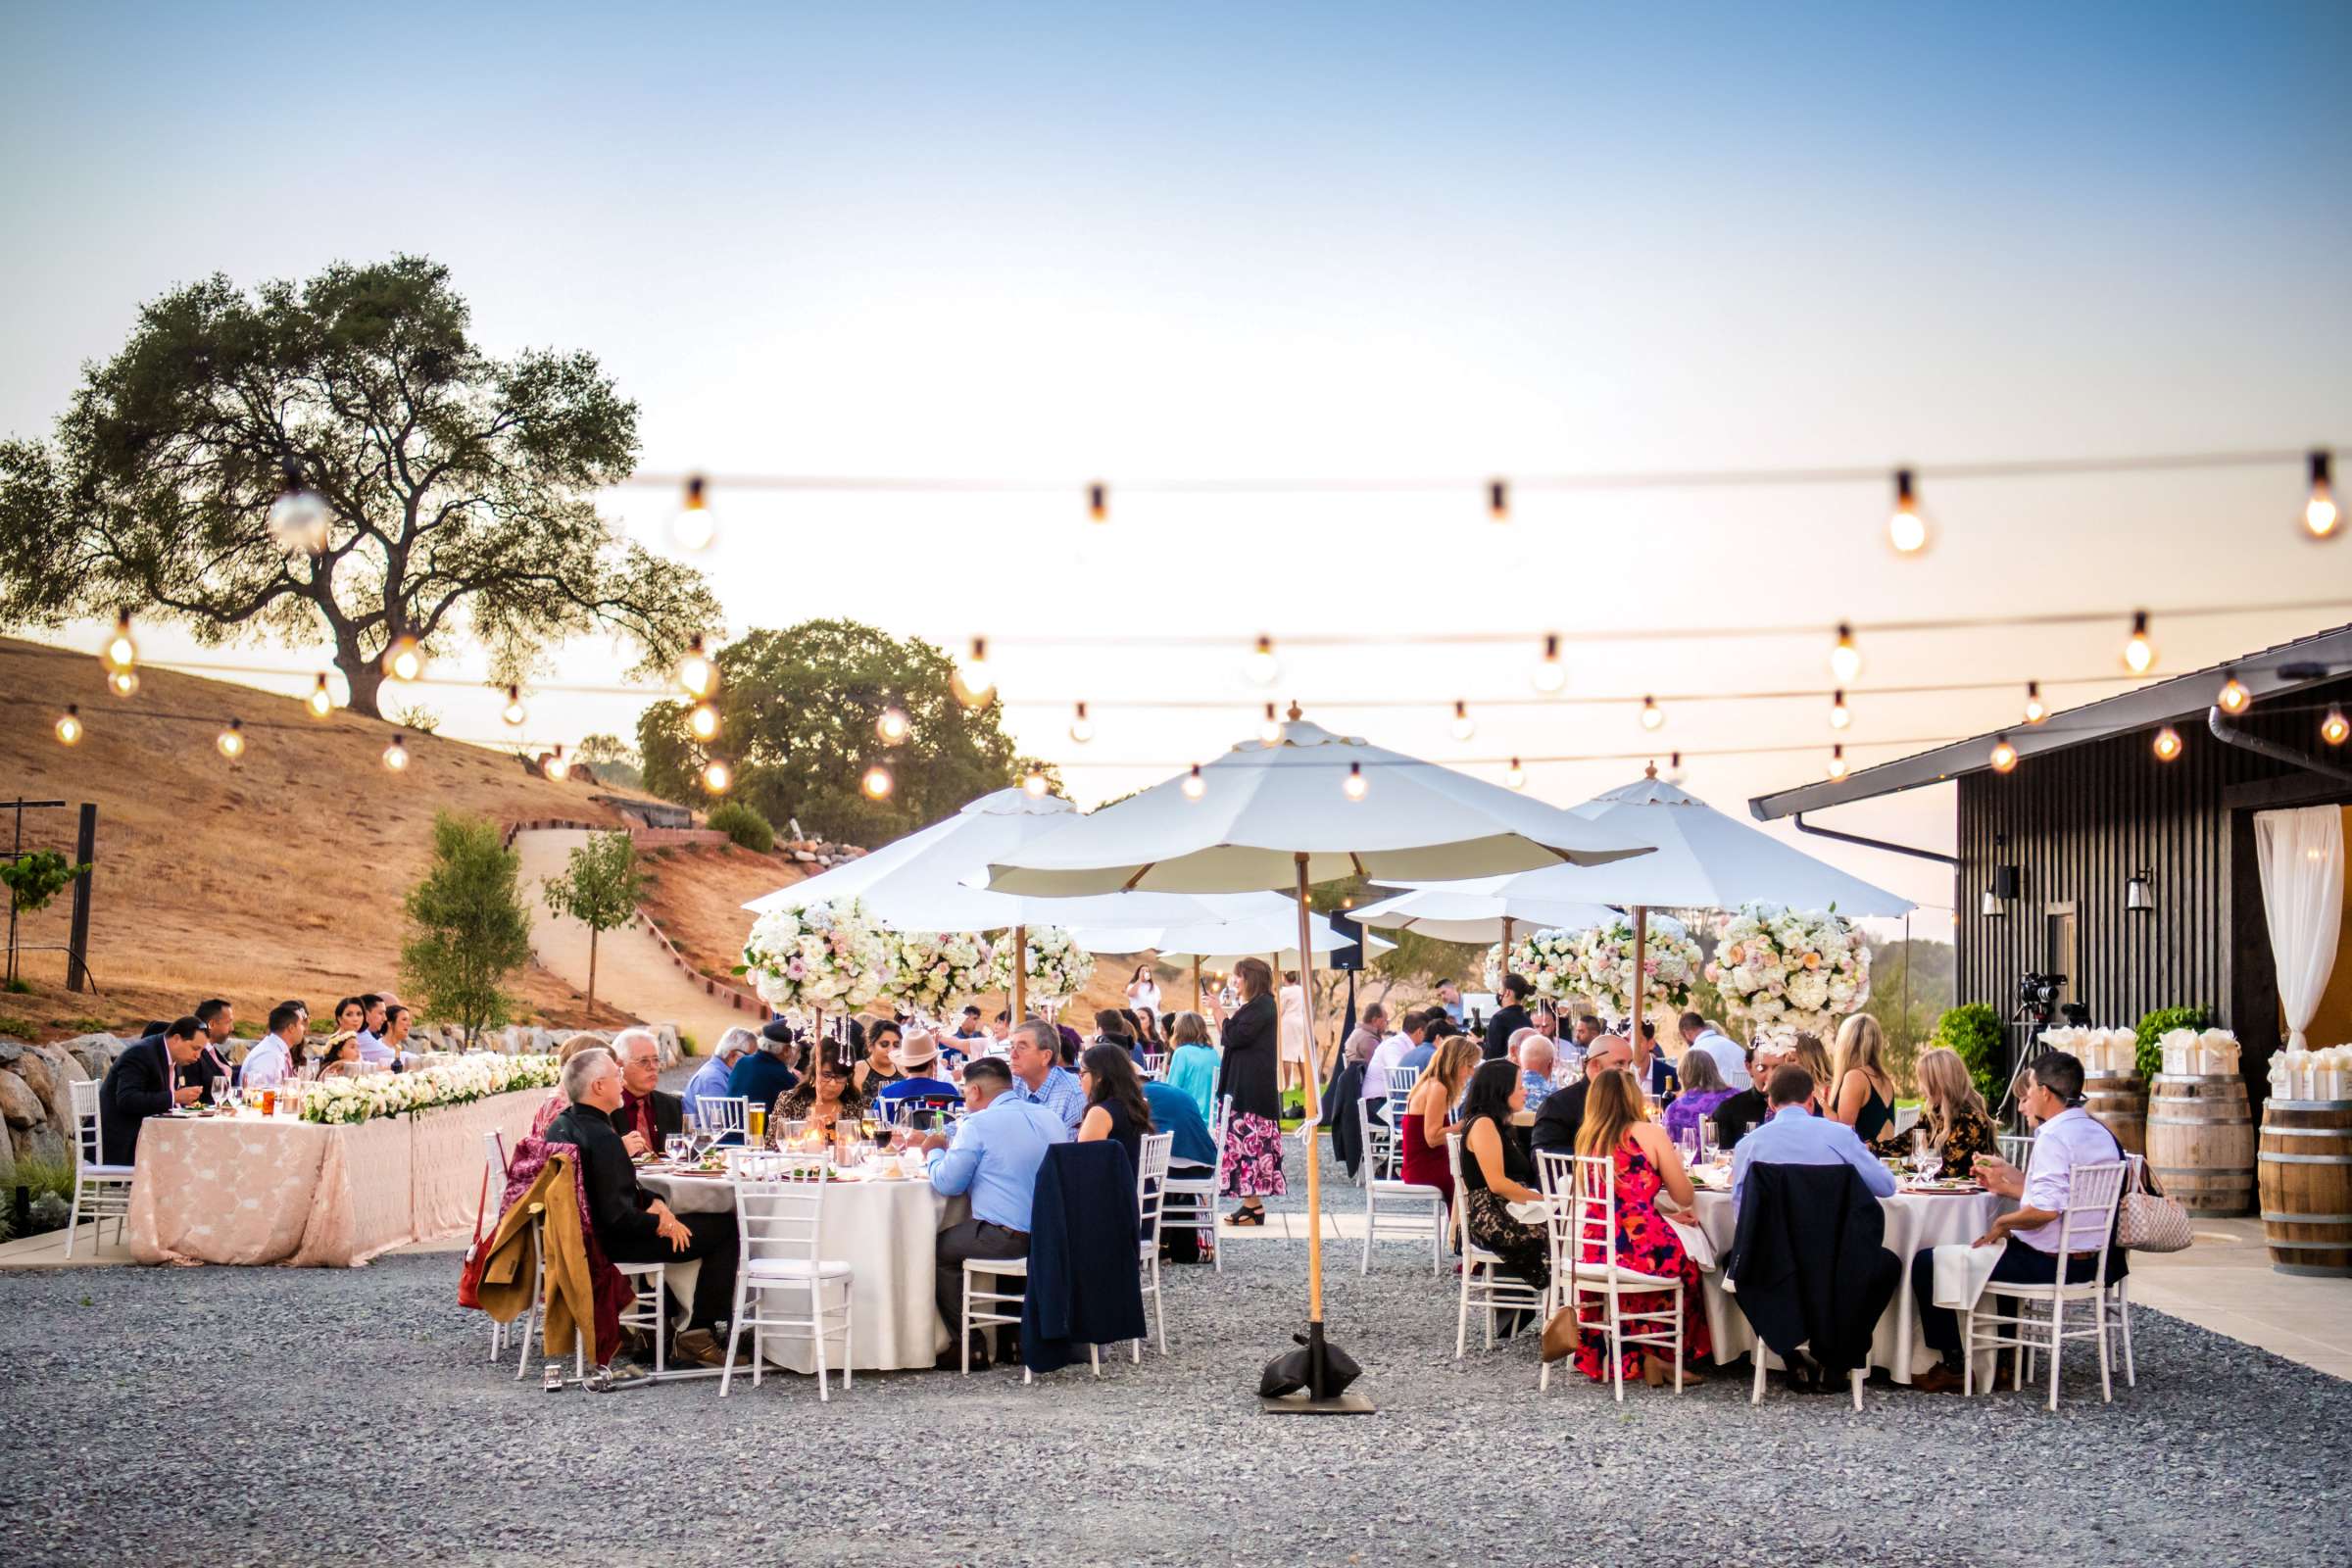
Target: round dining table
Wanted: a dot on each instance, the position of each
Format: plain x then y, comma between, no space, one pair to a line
886,1229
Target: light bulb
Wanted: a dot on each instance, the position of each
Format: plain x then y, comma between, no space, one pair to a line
1846,659
1195,786
1549,674
697,675
2004,756
876,782
555,766
2139,654
1464,726
1840,715
396,755
893,724
299,518
2233,696
1033,784
1515,775
1653,716
2168,744
1097,501
515,713
1498,499
1674,767
974,680
404,660
693,525
717,777
1906,528
232,740
1355,786
2035,709
69,724
1269,728
320,702
123,682
2333,728
120,653
1261,666
2321,519
702,722
1836,762
1082,728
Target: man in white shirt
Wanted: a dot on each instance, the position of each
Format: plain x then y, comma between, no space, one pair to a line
1731,1059
2033,1248
271,1062
1389,1053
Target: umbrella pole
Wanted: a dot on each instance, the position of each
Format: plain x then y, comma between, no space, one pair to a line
1021,977
1638,995
1196,982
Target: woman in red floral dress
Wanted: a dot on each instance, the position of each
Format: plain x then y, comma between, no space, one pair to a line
1646,1161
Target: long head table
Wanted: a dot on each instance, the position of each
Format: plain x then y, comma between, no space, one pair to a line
254,1189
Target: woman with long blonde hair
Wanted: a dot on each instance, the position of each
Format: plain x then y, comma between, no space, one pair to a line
1429,1114
1806,1051
1952,1115
1617,1128
1864,1095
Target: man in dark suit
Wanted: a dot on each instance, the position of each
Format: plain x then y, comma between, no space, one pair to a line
1563,1112
144,1082
1509,1018
648,1115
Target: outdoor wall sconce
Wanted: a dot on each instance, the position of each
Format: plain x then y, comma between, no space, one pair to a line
1997,898
2139,899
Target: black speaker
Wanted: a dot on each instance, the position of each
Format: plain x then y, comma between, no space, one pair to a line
2004,881
1351,958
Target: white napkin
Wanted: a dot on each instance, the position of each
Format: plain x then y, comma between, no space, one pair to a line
1528,1211
1961,1270
1695,1243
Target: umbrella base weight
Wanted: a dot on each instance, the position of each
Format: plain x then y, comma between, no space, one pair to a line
1299,1405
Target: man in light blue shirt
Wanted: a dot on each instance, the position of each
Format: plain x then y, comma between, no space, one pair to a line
710,1080
994,1156
1795,1137
1038,1076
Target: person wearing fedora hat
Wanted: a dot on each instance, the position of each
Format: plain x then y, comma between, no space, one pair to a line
917,1058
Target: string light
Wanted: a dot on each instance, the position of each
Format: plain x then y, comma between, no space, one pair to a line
1082,728
1355,786
2035,709
119,652
697,675
893,724
2168,744
1653,716
1193,786
1549,675
1515,775
1840,715
2320,514
1261,666
299,516
1269,728
1498,499
2333,728
974,680
2139,654
717,777
876,783
1033,783
2233,698
1846,659
1837,764
231,741
396,755
1906,528
555,766
1464,726
2004,756
404,660
69,724
1674,767
320,702
515,713
123,682
1097,501
702,722
694,525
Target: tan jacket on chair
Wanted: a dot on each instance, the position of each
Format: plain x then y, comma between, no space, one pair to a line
507,1277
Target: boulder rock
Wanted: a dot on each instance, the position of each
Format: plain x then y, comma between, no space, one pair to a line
64,1073
34,1069
10,1050
18,1104
39,1146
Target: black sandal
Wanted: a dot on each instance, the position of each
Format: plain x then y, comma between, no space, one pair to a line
1245,1215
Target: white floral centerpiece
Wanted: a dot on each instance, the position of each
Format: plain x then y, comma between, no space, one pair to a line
825,957
1491,973
1057,968
346,1102
1544,959
1600,965
1791,968
925,970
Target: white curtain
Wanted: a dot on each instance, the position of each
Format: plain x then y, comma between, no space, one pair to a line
2301,854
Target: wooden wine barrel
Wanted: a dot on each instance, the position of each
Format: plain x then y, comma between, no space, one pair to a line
2305,1173
2201,1142
2119,1101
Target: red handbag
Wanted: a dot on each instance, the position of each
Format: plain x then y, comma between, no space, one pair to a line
477,1257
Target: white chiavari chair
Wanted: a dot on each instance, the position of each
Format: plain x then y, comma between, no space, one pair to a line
1583,1216
2086,1224
1190,1202
1484,1285
1150,1198
1412,1210
779,1227
723,1114
101,1192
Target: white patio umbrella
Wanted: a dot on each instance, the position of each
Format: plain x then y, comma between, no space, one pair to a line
1254,924
1311,808
1480,910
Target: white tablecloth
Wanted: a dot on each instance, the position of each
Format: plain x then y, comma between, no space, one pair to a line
1915,1222
887,1232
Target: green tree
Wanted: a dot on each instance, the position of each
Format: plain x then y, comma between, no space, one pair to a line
1974,1030
32,879
455,488
472,928
600,888
798,710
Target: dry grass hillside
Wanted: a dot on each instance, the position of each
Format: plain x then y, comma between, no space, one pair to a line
279,875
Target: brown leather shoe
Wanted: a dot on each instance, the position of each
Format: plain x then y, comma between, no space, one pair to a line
1938,1379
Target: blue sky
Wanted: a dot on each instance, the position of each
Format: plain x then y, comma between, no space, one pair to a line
1222,241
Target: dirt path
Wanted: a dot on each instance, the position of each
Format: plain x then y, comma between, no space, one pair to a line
632,971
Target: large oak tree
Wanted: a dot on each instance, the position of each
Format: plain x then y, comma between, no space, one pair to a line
459,486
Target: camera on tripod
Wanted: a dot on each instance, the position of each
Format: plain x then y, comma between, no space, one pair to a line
2037,995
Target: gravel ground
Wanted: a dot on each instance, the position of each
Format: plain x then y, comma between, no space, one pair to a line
259,1415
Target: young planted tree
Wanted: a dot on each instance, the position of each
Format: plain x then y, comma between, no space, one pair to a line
32,880
439,493
472,928
600,888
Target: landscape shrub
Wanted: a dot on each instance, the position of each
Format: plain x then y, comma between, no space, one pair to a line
745,825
